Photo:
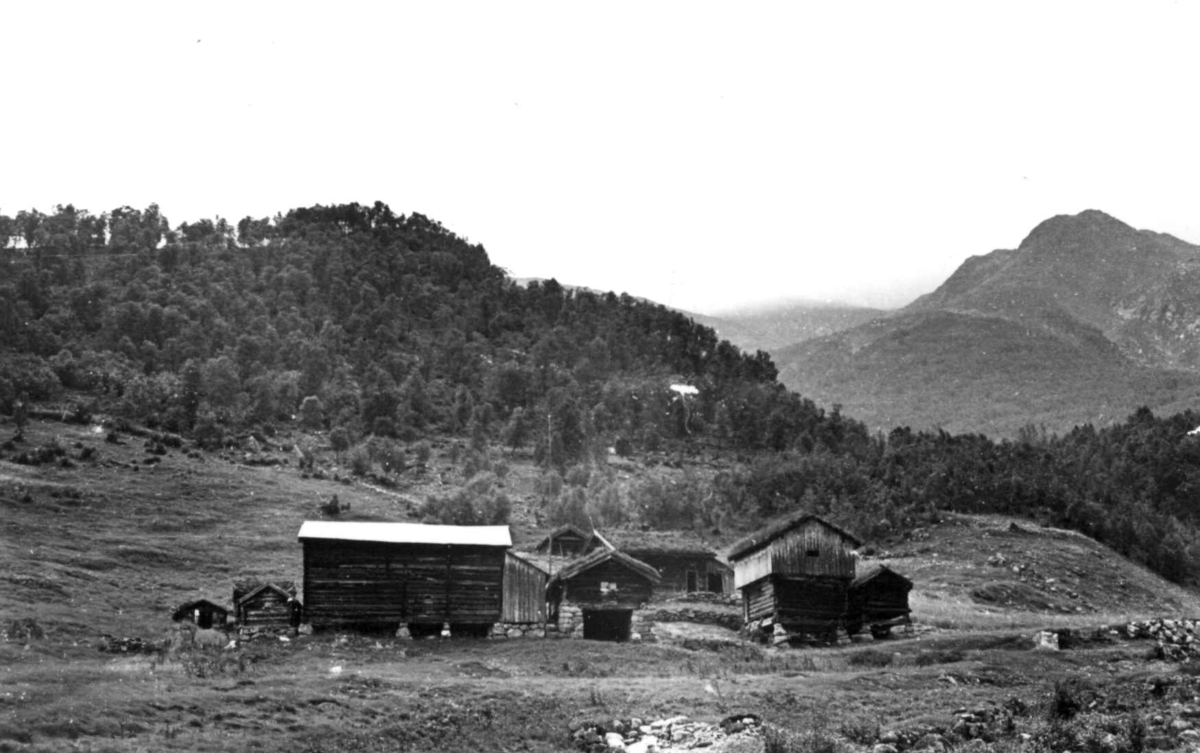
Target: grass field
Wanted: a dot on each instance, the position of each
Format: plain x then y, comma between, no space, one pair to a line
101,548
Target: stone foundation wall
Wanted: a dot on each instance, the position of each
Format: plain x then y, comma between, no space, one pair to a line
504,630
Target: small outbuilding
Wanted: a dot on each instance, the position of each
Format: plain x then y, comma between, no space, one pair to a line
795,576
412,575
525,579
595,596
203,613
684,561
878,600
266,606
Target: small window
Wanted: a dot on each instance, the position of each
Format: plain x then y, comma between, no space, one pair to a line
607,588
812,553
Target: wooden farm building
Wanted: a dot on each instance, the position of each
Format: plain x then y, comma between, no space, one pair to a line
204,613
564,541
268,606
878,600
525,579
685,563
384,575
795,576
594,596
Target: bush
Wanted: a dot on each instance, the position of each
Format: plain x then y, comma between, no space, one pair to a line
359,460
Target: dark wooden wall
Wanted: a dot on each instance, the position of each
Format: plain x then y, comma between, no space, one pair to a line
584,589
352,583
524,591
810,604
801,604
674,568
881,598
266,609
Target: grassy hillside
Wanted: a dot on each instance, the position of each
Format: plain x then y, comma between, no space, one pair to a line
112,543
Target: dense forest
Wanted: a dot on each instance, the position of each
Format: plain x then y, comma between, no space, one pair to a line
380,331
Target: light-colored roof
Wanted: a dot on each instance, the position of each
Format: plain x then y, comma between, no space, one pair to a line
406,533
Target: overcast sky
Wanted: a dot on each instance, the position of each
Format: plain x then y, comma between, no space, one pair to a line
704,155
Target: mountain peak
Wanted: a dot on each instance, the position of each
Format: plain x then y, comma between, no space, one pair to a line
1067,230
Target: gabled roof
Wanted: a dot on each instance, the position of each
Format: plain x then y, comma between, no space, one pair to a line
183,609
265,587
536,560
684,542
600,556
876,571
764,536
406,533
557,533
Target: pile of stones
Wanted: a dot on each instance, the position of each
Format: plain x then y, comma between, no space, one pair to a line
663,735
1177,639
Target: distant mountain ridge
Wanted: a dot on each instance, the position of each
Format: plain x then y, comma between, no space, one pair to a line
775,326
1083,322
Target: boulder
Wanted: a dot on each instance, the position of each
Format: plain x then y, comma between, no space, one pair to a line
1045,640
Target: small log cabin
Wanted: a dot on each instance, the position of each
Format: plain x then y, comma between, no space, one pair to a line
602,589
266,606
796,574
385,575
564,541
204,613
685,563
878,600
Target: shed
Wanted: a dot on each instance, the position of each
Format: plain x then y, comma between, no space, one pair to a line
525,579
202,612
381,575
686,563
270,606
796,574
594,596
564,541
878,599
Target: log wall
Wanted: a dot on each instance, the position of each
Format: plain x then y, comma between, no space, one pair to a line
812,549
524,592
354,583
633,588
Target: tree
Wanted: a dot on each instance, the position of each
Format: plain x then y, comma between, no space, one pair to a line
312,413
339,439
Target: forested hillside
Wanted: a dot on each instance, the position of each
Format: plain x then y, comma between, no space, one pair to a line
356,320
378,332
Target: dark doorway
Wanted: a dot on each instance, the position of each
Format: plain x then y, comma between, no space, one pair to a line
204,618
691,581
716,583
607,625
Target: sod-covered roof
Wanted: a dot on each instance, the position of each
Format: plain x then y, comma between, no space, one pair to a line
680,543
567,531
764,536
600,556
882,573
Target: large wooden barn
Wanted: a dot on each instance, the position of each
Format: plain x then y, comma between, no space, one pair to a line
384,575
684,561
795,574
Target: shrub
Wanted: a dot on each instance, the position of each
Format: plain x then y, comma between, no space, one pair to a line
359,460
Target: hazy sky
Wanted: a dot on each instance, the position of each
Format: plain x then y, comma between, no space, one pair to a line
704,155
